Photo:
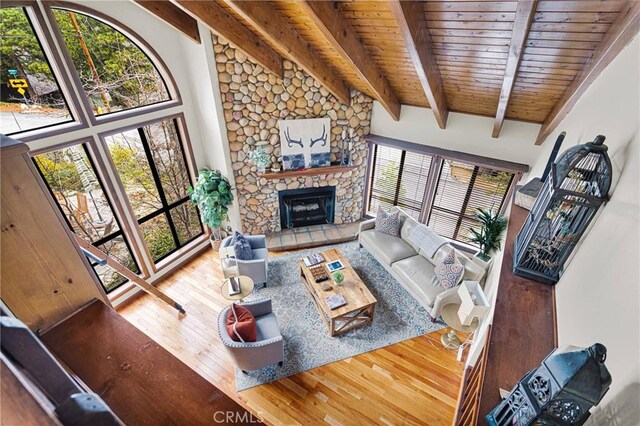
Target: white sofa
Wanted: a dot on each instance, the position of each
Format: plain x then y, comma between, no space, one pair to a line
411,267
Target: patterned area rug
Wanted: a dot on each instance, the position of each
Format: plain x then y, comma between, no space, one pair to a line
398,316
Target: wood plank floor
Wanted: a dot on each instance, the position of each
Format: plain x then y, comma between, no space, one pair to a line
412,382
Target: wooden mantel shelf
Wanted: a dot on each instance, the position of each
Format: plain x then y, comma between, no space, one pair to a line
306,172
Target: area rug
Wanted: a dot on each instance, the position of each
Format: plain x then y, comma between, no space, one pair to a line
398,316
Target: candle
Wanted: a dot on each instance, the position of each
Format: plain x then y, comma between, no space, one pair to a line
351,132
344,133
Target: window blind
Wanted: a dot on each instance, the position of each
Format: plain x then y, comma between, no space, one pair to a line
461,189
398,178
401,178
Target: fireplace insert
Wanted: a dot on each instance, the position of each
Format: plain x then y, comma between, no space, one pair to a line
306,206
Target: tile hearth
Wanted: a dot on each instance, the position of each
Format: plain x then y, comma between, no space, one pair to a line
312,236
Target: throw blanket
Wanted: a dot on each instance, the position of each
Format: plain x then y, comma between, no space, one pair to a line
426,239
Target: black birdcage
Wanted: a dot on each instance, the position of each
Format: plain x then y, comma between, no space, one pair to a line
569,199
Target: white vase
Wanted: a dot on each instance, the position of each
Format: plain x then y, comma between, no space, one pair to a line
261,170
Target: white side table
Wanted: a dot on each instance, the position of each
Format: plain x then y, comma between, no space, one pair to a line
450,316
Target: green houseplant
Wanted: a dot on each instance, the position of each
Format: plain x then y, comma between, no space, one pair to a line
212,194
338,277
489,236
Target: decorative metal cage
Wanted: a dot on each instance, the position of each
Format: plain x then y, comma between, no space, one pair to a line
569,199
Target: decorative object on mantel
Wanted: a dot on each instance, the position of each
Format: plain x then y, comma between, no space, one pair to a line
212,194
489,237
578,185
526,196
345,158
305,142
334,168
568,383
260,158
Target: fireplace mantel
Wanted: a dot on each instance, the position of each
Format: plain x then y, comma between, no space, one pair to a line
306,172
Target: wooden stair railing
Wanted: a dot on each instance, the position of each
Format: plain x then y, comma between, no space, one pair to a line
471,388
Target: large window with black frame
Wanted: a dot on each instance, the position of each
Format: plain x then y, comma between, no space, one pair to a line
151,165
114,112
71,177
442,192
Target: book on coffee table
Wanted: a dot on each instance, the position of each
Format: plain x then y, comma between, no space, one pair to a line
313,259
335,301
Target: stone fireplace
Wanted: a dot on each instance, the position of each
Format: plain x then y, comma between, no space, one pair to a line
253,101
306,206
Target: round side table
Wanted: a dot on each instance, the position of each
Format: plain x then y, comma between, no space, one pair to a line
451,340
246,287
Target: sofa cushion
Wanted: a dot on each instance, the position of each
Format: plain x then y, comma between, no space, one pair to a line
472,271
241,324
241,247
267,327
405,230
417,273
260,253
449,271
389,223
385,248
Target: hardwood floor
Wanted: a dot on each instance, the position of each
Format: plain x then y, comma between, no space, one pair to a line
412,382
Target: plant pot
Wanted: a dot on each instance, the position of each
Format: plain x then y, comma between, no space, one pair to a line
262,170
215,242
484,260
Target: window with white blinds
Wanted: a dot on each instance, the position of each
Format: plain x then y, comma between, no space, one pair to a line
398,178
401,178
462,189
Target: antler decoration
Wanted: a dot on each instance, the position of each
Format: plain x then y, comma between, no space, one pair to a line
292,141
322,138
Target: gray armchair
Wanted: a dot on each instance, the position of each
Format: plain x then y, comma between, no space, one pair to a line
256,269
269,346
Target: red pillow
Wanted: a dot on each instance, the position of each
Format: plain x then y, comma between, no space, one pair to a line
241,324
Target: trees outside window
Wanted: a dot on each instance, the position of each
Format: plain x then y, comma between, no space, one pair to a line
74,184
152,167
30,97
115,74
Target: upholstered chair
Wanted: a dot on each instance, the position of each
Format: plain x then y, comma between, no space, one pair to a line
256,268
269,346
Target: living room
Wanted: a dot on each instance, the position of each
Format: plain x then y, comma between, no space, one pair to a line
391,137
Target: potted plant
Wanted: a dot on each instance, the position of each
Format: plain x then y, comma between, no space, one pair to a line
212,194
260,158
489,237
338,277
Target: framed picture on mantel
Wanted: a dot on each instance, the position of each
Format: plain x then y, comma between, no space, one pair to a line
305,143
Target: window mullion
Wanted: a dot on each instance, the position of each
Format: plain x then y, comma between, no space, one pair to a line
158,182
399,182
465,203
431,187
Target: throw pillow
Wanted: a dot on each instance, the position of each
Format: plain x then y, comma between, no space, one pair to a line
388,223
241,324
450,271
241,247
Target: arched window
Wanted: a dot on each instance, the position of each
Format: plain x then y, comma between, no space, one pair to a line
67,71
114,72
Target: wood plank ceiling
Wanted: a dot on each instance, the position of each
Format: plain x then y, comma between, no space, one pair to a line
470,41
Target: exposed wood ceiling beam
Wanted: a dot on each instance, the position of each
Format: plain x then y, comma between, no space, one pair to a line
344,39
266,20
524,15
410,17
223,23
172,15
621,33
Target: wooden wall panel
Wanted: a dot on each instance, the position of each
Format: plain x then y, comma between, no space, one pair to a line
44,276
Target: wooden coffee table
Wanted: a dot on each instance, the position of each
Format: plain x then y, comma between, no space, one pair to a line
360,302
